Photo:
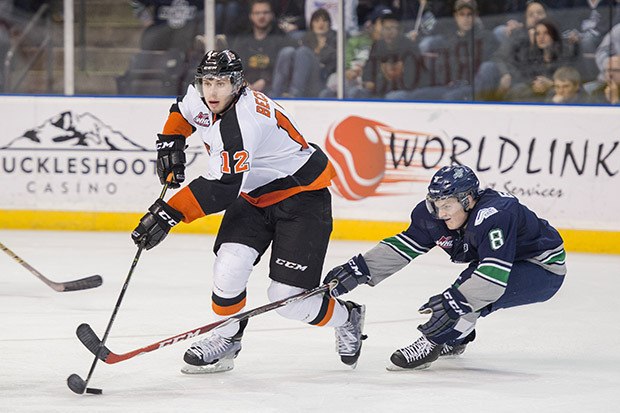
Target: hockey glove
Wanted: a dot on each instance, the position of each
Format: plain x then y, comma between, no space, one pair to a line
155,224
349,275
171,158
446,309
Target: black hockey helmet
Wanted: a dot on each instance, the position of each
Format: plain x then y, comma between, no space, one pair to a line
218,64
456,181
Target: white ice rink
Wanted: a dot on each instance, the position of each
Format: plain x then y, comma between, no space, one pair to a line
558,356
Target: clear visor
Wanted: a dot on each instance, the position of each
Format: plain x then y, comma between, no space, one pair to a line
431,206
200,80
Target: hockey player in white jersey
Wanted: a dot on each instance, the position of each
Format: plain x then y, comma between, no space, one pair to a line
272,184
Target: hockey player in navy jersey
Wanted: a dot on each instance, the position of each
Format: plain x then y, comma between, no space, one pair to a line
272,184
515,258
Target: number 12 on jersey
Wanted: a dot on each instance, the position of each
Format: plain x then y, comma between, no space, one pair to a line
240,161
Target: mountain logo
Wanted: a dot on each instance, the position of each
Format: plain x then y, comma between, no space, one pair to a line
68,130
77,158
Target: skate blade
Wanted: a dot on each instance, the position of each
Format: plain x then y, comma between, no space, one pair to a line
394,367
353,366
219,367
450,356
453,354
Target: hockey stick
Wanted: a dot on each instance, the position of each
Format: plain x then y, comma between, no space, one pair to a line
74,381
75,285
418,18
88,337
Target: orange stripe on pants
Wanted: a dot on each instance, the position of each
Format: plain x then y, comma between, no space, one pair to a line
328,313
228,310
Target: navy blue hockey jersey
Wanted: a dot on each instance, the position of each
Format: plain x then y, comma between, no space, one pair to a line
499,231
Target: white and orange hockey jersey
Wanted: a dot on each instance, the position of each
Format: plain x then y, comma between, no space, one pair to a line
255,151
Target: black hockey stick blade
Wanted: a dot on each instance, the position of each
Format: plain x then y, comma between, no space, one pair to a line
82,284
78,385
93,281
92,342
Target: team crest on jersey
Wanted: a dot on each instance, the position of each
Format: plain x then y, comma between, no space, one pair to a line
203,119
484,214
444,242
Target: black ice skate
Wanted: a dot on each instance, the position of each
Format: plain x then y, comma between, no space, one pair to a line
211,355
416,356
349,336
458,348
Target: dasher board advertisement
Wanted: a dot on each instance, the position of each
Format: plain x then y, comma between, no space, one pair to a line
97,154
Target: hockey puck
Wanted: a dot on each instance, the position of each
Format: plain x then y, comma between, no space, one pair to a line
93,390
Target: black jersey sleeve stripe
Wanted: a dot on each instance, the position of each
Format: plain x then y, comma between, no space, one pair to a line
216,195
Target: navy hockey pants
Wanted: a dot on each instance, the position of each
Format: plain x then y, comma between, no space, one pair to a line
528,283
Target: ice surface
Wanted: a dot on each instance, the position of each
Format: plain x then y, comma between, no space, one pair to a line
558,356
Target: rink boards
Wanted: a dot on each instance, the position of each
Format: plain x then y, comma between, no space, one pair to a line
85,163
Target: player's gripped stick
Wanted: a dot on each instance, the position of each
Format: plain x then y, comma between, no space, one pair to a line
74,381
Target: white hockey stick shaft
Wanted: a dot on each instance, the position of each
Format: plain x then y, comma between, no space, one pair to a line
418,19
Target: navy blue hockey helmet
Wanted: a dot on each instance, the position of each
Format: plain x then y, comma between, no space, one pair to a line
219,64
457,181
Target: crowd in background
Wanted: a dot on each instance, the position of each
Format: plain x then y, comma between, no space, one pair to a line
557,51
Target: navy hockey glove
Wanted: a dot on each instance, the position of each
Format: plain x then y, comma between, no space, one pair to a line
155,224
171,158
349,275
447,308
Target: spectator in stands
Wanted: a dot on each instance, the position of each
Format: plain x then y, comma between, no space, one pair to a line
169,24
567,87
609,46
394,64
587,22
514,49
609,91
331,6
546,55
356,52
260,44
515,29
459,60
227,14
290,15
366,7
303,71
405,10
